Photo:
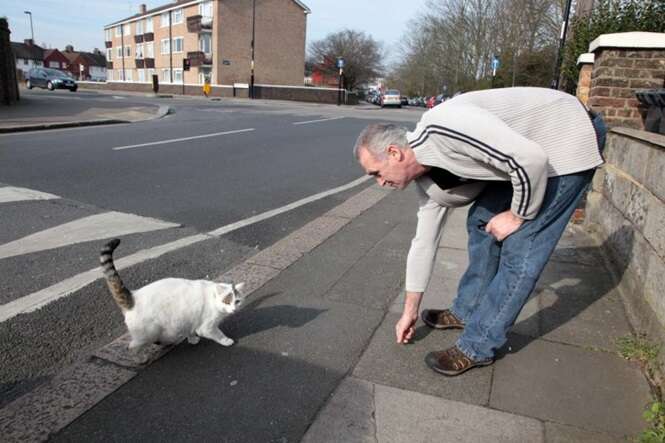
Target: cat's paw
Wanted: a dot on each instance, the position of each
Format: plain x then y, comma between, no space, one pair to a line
193,340
226,341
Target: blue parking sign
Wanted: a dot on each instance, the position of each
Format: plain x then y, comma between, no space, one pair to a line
340,62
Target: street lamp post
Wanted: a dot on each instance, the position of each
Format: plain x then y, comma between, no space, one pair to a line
559,54
32,32
251,77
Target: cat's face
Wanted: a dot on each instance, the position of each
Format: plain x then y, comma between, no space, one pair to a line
229,297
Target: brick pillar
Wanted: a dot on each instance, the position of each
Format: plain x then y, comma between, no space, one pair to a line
8,83
624,63
585,62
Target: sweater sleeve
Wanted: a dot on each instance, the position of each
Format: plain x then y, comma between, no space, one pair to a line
420,260
474,133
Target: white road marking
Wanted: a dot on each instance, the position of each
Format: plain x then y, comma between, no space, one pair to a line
317,121
13,194
41,298
176,140
94,227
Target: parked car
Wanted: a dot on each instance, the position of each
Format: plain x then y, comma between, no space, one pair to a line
391,97
50,79
429,104
404,100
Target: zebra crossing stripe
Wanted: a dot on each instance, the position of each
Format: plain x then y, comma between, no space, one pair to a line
14,194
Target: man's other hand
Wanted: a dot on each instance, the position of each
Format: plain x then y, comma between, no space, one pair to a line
404,329
503,224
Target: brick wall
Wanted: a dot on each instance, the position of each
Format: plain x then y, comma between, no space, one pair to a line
8,82
617,74
584,82
626,210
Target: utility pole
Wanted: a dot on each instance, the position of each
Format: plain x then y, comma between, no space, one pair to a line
32,32
562,42
251,77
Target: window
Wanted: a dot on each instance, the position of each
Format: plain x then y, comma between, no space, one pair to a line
205,9
139,27
118,52
164,20
166,75
150,73
149,50
55,65
128,51
148,25
109,54
126,29
118,31
177,16
141,75
177,75
121,77
139,51
165,46
205,43
203,75
178,44
108,35
128,74
109,75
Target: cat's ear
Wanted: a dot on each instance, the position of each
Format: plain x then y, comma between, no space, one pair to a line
239,287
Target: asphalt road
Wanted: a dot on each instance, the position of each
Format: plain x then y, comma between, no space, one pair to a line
208,165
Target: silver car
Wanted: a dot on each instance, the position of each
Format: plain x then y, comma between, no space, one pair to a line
391,97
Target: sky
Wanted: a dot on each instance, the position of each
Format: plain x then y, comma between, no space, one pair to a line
80,22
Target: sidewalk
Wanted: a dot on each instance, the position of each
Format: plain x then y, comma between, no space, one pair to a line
316,358
62,109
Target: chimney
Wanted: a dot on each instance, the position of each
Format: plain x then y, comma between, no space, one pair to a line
69,48
142,8
28,42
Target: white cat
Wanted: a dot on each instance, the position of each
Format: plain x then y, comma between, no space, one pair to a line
171,309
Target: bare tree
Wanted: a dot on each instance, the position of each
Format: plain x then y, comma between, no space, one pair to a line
363,56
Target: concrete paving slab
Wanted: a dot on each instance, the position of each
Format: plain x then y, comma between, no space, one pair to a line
406,417
51,407
254,276
359,203
117,352
347,417
593,390
557,433
454,233
403,366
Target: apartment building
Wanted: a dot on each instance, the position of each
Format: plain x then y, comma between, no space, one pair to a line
216,37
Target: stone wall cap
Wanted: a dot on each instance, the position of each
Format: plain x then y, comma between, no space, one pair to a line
586,58
649,137
637,40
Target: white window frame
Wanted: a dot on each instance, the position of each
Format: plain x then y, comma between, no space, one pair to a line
204,7
128,29
109,75
149,73
149,50
128,74
139,27
165,76
177,72
148,25
165,46
141,75
108,35
118,52
109,54
128,51
178,16
208,37
121,77
164,20
118,30
175,45
139,51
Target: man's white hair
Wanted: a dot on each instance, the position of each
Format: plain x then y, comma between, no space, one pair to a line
377,137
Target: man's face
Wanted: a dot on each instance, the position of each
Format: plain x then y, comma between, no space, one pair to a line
390,171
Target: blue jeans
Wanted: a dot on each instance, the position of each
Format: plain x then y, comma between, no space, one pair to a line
502,275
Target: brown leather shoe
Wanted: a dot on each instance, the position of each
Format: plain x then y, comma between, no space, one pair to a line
441,319
452,362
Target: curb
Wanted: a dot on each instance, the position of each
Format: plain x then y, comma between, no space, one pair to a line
52,406
162,111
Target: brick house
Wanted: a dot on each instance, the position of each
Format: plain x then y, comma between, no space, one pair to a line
27,56
216,36
55,59
85,65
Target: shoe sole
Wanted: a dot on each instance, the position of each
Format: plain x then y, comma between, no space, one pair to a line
454,373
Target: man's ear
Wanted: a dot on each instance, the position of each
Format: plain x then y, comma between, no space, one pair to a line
394,152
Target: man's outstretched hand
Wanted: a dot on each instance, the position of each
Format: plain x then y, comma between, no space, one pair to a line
503,224
404,329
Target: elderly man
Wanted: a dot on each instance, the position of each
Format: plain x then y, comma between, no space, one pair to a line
524,156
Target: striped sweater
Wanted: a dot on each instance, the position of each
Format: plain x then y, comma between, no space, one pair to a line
524,135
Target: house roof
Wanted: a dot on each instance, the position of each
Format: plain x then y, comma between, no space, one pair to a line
27,52
178,3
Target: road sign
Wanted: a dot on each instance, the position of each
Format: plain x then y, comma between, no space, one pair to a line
186,64
495,65
340,62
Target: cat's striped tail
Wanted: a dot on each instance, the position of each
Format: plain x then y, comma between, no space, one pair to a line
121,295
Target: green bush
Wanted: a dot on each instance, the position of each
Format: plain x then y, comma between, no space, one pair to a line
608,17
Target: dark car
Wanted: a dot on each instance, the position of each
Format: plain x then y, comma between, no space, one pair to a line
50,79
